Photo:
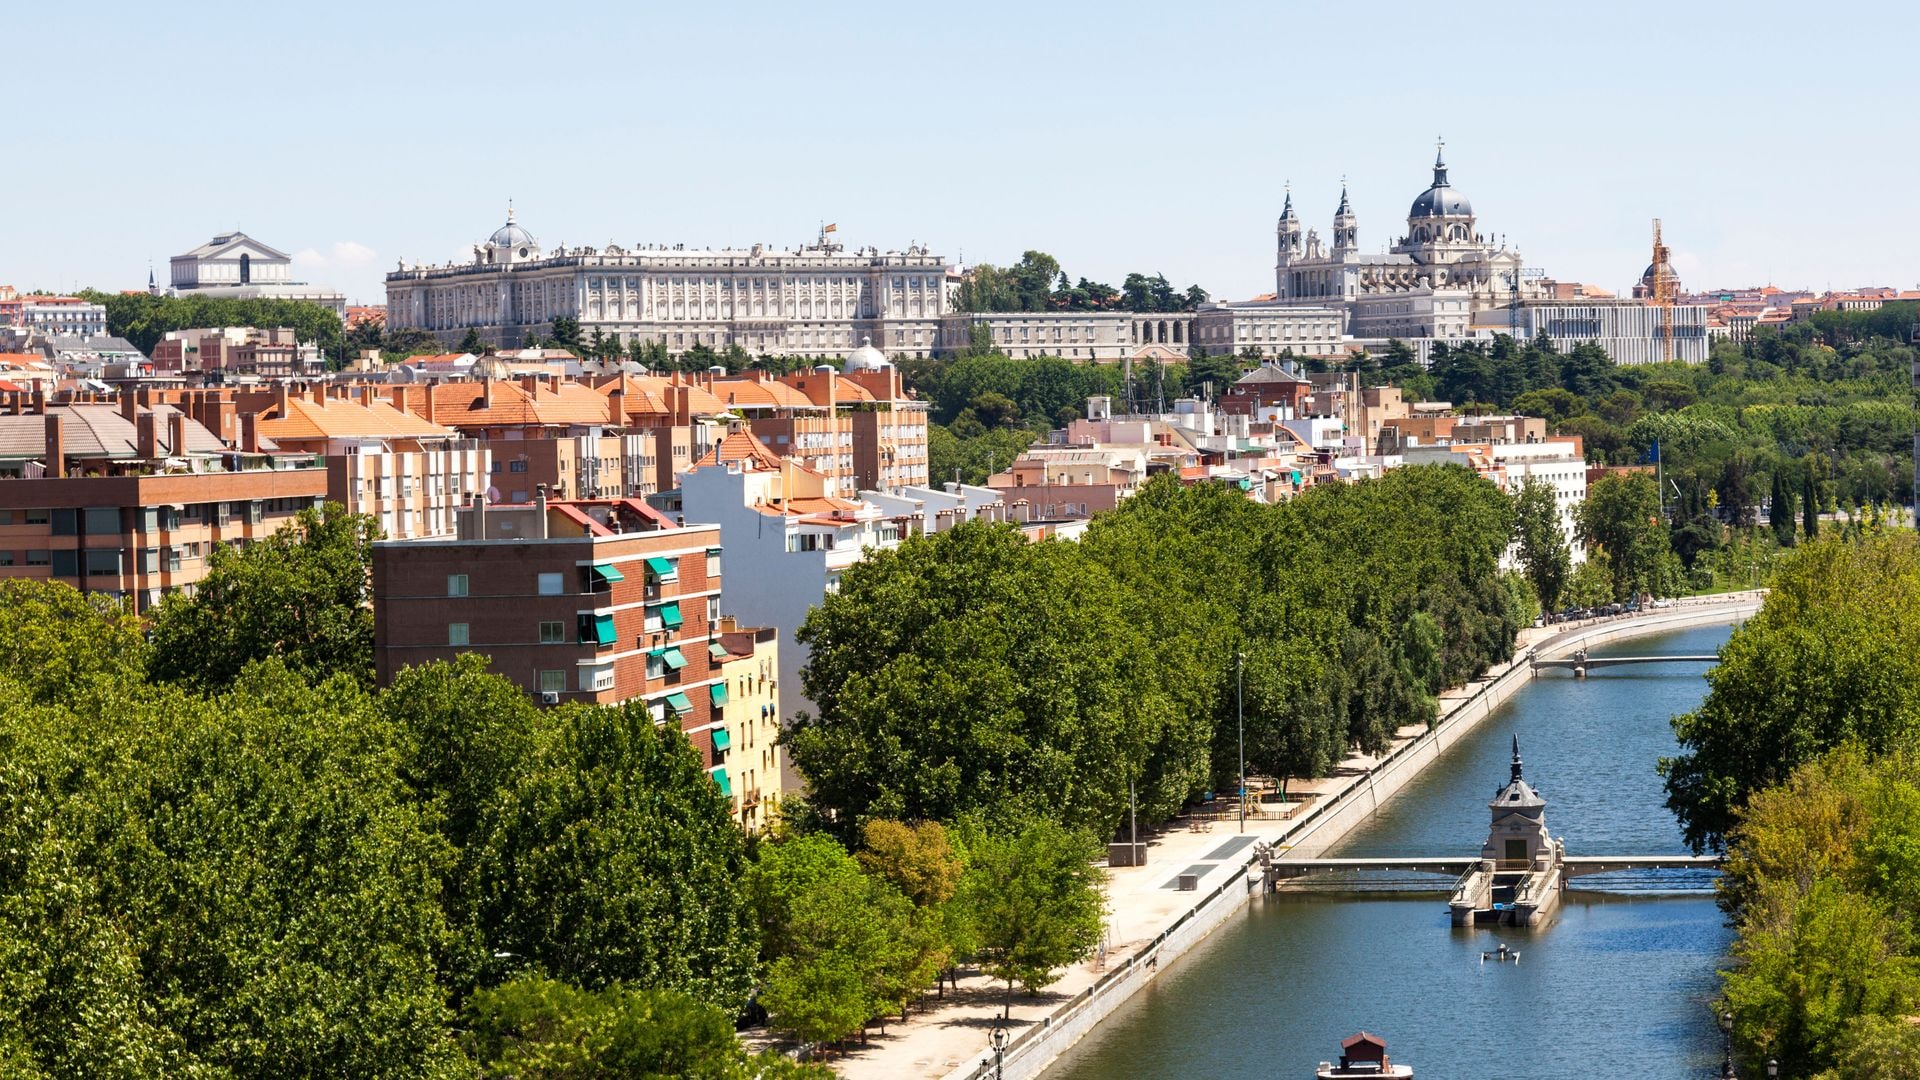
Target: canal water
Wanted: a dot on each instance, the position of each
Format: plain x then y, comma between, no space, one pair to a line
1619,985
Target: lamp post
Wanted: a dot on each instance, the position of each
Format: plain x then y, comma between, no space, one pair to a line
1726,1046
1773,1068
997,1038
1240,715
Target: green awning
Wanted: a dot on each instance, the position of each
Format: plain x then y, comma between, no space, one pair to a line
717,650
719,693
603,632
670,614
673,658
659,567
722,740
720,777
679,704
608,574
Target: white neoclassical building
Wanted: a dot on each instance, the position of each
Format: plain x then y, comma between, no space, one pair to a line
236,266
1429,283
814,300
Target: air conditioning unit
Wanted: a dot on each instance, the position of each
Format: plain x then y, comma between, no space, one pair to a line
549,697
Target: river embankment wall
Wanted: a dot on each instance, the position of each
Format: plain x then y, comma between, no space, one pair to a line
1324,824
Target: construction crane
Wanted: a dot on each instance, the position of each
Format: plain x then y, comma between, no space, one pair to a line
1663,292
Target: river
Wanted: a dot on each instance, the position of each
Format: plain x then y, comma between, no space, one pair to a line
1620,984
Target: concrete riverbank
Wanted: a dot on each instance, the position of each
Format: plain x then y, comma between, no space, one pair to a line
1153,924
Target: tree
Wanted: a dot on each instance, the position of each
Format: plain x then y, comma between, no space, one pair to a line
1832,656
57,641
254,892
566,332
1780,509
301,594
843,946
1037,900
471,343
973,671
922,863
535,1028
1809,501
613,857
1540,542
1621,515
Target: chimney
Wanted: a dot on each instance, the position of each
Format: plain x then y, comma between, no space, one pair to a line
280,398
529,383
146,434
56,446
479,516
129,408
250,433
486,393
320,394
177,434
540,509
617,405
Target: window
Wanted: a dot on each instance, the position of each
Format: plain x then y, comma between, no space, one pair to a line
516,466
6,558
103,563
457,633
553,682
37,517
36,557
551,584
150,560
553,633
663,570
66,522
456,584
253,512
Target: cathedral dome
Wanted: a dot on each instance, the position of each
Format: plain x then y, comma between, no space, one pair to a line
1646,279
1441,199
866,358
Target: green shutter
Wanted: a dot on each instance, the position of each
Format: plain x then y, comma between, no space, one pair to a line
720,777
679,704
670,614
659,567
674,659
722,740
608,574
603,632
719,693
717,650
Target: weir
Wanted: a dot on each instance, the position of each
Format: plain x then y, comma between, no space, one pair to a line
1520,873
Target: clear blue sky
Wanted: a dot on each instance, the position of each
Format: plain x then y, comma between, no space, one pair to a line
1778,142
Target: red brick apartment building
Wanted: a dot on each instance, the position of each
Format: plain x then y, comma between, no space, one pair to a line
593,601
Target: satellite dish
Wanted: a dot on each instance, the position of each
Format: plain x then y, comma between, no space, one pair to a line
493,495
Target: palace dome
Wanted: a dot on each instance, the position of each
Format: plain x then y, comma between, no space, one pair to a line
511,236
866,358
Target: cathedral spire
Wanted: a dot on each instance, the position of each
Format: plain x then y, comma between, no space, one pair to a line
1440,163
1286,211
1344,208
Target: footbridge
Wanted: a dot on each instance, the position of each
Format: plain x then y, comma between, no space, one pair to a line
1580,662
1572,866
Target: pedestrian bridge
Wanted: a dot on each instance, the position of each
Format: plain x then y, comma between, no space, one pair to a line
1572,866
1580,662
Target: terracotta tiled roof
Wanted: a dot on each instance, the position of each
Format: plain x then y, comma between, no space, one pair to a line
305,418
747,393
740,446
508,404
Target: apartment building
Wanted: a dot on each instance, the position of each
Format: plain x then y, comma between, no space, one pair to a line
746,723
595,601
130,501
404,472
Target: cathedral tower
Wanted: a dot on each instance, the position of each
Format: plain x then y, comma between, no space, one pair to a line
1346,227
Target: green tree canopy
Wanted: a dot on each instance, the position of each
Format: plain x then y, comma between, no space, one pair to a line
301,594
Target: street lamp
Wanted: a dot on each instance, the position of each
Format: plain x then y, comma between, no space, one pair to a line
1773,1068
1726,1046
997,1038
1240,713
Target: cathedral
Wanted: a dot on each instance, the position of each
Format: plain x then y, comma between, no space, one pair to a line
1429,284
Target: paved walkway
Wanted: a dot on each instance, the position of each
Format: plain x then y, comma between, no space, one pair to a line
1141,903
